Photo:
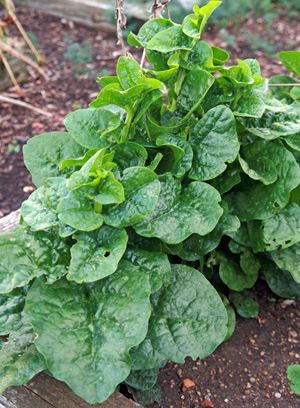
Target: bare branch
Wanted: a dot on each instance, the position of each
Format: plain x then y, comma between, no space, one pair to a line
121,23
283,84
158,7
12,101
10,73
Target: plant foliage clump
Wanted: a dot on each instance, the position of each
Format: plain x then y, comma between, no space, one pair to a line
153,217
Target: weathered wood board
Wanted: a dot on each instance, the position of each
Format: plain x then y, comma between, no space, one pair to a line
44,391
91,13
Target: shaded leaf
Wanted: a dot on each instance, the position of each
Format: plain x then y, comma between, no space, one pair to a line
245,303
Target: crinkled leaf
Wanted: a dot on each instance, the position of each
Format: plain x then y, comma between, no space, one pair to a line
141,194
214,142
182,150
11,307
245,303
227,180
136,241
85,333
293,141
280,282
25,255
19,359
77,210
204,12
255,200
172,39
188,319
146,397
90,127
274,124
154,264
80,161
129,154
178,215
230,315
143,380
250,105
43,155
289,260
151,97
293,371
291,60
94,258
148,31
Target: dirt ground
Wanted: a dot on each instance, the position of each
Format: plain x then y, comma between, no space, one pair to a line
250,369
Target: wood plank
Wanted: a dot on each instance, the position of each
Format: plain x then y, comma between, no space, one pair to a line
91,13
44,391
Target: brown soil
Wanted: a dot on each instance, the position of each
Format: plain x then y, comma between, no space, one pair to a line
247,371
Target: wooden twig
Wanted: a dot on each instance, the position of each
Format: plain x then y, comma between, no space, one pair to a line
283,84
158,7
10,73
23,32
5,47
121,23
143,58
12,101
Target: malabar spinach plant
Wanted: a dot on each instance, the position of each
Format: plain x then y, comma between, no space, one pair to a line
154,215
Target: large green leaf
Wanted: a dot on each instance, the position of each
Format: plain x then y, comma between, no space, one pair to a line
148,31
178,215
245,303
274,124
188,319
172,39
94,258
25,255
77,210
11,307
154,264
215,143
250,105
142,189
293,371
281,282
129,154
291,60
289,260
255,200
85,333
19,359
43,155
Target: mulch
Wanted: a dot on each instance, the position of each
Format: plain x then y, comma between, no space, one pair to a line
247,371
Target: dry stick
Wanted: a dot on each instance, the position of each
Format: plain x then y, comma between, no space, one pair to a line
283,84
10,73
121,22
23,32
24,105
12,51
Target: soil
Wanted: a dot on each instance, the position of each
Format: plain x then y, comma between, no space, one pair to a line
249,370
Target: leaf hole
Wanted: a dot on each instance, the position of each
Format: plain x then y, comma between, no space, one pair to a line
276,205
106,254
288,241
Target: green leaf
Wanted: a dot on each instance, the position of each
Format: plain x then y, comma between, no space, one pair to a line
250,105
172,39
148,31
291,60
232,274
293,373
143,380
182,151
227,180
153,264
19,359
220,57
293,141
91,127
255,200
11,307
230,315
77,211
280,282
96,326
214,141
94,258
204,12
25,255
188,319
245,303
80,161
141,194
289,260
194,88
178,215
281,92
191,26
43,155
274,124
129,154
196,246
146,397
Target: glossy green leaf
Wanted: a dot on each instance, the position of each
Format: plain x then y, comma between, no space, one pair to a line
179,214
293,141
172,39
280,282
227,180
231,317
146,397
293,371
245,303
220,57
257,165
291,60
19,359
274,124
94,258
182,151
142,189
43,155
188,318
77,210
250,105
148,31
11,307
214,141
129,154
80,161
25,255
255,200
96,327
288,259
282,92
205,12
143,380
153,264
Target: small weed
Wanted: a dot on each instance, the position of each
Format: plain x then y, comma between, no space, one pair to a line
76,106
80,55
13,147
